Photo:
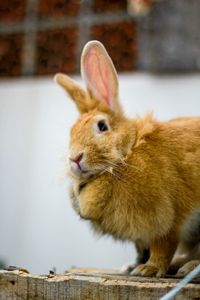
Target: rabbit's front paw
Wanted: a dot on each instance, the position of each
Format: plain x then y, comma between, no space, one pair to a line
187,268
148,270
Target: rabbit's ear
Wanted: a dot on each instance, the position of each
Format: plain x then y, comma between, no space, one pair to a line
100,75
76,93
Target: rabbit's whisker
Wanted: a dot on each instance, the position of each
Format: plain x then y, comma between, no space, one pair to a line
114,168
129,165
115,175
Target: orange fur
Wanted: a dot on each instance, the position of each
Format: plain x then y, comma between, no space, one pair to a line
143,185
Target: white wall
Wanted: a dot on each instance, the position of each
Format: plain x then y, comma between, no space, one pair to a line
38,228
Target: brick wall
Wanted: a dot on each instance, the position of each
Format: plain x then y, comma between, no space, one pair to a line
42,37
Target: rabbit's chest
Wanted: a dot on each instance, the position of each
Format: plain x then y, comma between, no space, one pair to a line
130,225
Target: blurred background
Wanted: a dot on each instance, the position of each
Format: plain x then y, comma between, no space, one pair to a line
155,46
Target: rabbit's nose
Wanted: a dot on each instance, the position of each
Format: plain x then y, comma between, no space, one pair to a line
77,159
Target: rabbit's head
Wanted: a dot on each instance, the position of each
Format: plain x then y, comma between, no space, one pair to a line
100,139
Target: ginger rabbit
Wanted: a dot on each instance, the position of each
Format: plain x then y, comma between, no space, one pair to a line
135,179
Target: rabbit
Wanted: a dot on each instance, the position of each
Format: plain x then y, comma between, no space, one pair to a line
136,179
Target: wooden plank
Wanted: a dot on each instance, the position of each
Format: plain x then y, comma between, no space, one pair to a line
83,284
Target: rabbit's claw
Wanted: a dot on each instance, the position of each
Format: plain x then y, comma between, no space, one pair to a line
148,270
187,268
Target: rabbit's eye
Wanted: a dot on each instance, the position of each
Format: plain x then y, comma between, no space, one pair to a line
102,126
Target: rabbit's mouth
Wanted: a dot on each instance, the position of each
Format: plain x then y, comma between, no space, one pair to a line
79,167
79,170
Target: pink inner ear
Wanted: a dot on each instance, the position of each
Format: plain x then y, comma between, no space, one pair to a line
98,75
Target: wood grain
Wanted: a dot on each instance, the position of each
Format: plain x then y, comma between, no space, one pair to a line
88,284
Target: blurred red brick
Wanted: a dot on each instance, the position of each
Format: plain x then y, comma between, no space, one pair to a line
12,10
10,55
120,41
56,51
111,5
57,8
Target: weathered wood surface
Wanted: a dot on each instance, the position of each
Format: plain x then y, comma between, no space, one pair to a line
88,285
